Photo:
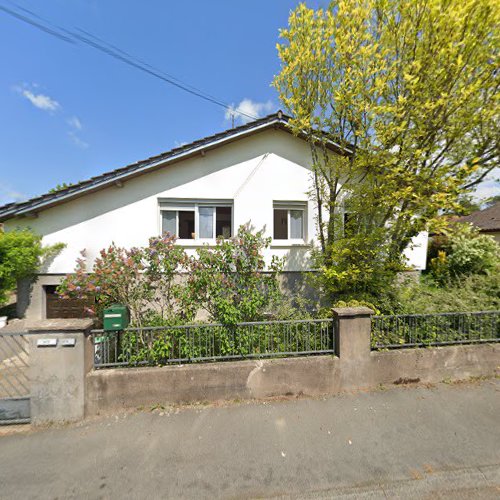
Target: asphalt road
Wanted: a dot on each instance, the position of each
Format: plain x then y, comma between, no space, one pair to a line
440,442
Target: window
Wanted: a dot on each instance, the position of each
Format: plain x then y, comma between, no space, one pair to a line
178,222
289,221
197,220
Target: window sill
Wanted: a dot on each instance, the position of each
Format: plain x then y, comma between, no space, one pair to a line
290,244
195,243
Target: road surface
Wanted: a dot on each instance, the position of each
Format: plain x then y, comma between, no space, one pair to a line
406,442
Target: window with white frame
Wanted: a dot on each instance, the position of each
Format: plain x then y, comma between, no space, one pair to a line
197,220
289,221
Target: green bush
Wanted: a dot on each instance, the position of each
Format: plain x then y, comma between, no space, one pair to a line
230,280
463,251
477,292
21,255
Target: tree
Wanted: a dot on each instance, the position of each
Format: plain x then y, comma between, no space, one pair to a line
407,92
21,255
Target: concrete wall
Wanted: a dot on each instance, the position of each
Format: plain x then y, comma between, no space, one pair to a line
355,367
114,390
57,372
110,390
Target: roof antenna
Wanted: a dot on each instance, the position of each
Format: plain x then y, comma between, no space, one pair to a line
232,120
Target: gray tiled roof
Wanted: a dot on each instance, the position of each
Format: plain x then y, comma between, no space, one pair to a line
486,220
276,120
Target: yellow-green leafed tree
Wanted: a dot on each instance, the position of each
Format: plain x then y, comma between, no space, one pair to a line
410,88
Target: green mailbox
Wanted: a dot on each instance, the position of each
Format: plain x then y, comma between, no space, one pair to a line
115,318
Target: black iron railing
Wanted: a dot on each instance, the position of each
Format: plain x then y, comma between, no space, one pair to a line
416,330
211,342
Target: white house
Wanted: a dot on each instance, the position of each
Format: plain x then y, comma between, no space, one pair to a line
258,173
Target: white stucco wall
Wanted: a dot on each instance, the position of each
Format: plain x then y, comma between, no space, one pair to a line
129,215
416,252
253,172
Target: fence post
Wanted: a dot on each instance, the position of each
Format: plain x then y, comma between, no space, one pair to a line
352,332
352,346
61,354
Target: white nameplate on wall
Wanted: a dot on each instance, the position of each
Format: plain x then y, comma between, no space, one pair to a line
68,342
46,342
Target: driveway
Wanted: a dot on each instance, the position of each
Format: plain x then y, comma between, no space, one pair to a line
406,442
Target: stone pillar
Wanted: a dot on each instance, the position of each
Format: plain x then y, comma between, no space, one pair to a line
352,345
352,332
61,354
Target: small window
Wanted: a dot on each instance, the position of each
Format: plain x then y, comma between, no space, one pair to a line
289,223
280,224
223,222
186,224
169,222
178,222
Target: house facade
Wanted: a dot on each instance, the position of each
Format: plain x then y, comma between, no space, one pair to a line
258,173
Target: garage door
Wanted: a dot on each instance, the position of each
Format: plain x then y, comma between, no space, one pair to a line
63,308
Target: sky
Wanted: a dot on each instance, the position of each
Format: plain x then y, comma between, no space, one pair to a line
68,112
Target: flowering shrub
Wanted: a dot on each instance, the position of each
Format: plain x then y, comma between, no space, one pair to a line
143,279
230,280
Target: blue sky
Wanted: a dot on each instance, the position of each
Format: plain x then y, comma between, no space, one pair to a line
69,112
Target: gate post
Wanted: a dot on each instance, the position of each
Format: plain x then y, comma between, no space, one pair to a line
61,354
352,345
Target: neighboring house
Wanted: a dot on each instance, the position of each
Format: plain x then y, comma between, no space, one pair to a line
487,220
258,173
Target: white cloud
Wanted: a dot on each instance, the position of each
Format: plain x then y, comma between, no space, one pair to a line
489,187
40,101
46,103
247,109
77,141
75,123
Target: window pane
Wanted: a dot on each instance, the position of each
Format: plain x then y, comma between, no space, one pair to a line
296,224
168,221
280,224
223,222
206,222
186,224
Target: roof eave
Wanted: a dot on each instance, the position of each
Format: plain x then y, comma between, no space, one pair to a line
29,210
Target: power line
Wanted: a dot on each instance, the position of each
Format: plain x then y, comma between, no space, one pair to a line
101,45
35,24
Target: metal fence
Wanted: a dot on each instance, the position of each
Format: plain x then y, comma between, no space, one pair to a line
211,342
416,330
14,365
14,378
